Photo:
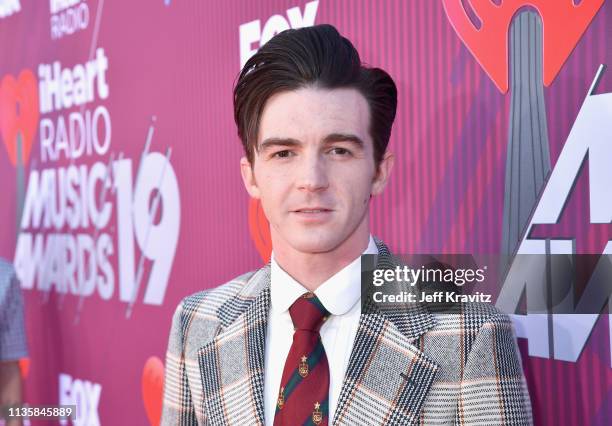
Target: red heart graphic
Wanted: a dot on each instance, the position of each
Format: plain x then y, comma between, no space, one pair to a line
19,113
563,25
260,230
153,388
24,367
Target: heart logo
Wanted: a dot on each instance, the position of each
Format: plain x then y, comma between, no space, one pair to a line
19,113
153,388
24,367
563,25
259,228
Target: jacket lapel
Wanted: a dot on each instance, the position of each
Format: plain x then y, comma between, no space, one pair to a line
388,376
232,364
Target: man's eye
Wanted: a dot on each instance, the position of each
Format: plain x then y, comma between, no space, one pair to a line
340,151
282,154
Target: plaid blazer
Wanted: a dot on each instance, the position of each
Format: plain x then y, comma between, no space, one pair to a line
404,369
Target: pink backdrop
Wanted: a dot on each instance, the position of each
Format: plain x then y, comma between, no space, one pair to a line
158,90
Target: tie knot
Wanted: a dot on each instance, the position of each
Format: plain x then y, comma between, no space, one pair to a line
308,313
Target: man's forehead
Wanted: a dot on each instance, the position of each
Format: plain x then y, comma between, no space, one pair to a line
315,115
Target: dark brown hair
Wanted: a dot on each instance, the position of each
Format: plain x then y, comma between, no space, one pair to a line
313,56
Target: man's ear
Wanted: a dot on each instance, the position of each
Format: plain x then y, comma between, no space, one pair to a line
383,173
248,177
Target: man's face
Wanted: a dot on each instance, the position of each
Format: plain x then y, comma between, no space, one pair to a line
314,169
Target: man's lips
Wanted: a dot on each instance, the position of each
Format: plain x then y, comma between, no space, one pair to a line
307,210
312,215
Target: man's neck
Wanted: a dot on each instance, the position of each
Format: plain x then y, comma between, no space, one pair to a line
313,269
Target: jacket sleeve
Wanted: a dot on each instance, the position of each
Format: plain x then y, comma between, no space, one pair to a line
493,389
178,407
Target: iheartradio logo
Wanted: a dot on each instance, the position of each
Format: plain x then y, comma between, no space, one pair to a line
19,114
500,35
483,27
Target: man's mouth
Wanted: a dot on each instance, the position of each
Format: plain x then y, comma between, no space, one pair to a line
312,210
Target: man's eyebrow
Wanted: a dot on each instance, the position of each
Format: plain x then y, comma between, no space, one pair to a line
344,137
272,142
290,142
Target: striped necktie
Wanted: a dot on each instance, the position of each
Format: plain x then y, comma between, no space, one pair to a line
303,396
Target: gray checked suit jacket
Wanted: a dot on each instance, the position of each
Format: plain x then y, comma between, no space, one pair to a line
417,368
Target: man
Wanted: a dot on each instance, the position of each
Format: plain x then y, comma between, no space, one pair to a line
12,340
289,344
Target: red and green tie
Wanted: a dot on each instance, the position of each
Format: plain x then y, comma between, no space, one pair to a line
303,396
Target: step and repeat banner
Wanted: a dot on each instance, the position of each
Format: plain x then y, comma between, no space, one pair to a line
121,193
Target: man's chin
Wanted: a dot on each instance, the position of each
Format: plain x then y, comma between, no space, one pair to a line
315,246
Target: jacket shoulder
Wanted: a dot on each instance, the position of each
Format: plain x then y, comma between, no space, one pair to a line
471,315
220,306
211,303
471,320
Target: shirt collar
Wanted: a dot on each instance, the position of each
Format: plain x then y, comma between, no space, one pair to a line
338,294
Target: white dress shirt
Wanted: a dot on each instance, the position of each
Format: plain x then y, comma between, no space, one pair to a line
341,296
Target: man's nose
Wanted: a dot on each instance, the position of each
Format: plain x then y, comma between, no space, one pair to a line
312,174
